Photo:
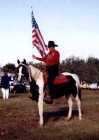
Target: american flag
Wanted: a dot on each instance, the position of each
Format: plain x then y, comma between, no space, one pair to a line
37,39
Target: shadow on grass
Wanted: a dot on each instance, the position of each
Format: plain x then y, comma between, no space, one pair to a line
56,115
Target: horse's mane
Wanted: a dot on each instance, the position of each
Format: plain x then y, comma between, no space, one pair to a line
34,68
35,72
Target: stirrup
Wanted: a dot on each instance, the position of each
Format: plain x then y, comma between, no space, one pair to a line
48,99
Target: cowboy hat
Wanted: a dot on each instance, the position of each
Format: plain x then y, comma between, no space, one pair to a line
51,44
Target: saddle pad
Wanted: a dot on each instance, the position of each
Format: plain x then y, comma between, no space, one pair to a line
61,79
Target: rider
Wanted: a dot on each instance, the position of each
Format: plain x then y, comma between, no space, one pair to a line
51,60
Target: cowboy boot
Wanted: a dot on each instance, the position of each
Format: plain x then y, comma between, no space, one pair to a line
47,97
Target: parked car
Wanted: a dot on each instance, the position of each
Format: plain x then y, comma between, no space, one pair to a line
19,88
93,86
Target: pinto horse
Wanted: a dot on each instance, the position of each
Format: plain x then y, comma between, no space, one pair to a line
66,84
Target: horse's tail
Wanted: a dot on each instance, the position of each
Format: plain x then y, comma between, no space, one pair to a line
77,85
79,93
77,80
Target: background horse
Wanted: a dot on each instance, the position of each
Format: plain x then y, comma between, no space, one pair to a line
67,85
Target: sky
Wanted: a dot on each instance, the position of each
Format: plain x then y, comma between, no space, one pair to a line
72,24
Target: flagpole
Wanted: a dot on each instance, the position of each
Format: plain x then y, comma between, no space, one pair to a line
32,11
32,14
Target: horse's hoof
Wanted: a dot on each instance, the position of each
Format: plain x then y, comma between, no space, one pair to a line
80,118
41,124
68,118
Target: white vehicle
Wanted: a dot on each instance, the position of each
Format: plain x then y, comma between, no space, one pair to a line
93,86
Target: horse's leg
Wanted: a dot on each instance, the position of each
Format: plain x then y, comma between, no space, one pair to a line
40,105
70,104
79,106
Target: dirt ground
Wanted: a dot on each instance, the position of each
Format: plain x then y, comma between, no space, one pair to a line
19,119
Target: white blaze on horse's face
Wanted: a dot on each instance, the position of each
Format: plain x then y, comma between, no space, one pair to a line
20,73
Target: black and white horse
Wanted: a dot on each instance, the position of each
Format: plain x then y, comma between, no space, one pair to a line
67,85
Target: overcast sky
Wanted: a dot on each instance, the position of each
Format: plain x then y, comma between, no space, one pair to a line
72,24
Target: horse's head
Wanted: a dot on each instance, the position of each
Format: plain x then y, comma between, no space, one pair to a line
23,73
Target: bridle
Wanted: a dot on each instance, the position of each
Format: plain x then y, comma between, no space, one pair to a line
21,74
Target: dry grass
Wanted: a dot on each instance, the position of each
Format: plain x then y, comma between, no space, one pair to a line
19,119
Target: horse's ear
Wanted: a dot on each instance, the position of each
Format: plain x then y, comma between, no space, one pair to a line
24,61
18,61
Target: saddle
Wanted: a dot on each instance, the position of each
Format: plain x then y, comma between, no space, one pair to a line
59,79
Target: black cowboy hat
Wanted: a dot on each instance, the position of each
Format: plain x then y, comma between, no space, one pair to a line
51,44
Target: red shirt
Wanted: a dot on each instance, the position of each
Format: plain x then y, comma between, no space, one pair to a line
51,58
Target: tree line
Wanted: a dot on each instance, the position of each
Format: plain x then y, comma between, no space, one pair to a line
87,70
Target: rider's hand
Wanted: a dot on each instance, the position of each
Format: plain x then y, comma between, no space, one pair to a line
33,56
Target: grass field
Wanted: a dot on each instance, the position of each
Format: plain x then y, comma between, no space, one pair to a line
19,119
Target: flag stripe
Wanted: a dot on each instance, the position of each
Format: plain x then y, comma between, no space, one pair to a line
37,38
